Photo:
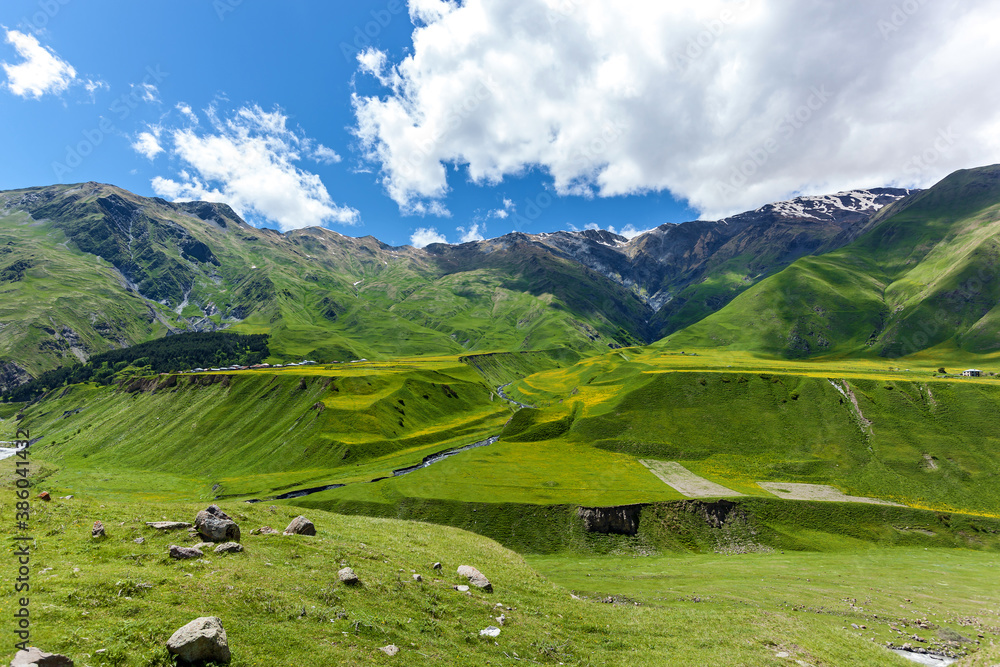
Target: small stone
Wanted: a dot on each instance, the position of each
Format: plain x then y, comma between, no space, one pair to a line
140,540
97,530
462,589
475,577
35,657
300,526
348,576
44,495
501,619
200,641
267,530
184,553
417,577
782,654
390,650
437,566
229,548
490,631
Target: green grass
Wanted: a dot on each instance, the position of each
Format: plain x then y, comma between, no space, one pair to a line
282,605
887,591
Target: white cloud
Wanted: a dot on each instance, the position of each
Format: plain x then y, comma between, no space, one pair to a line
148,143
473,233
424,236
503,213
42,72
325,155
248,160
726,103
146,92
187,112
629,231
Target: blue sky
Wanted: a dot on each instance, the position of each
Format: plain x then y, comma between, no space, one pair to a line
433,120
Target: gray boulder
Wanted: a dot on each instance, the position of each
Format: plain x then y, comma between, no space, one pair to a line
168,525
213,525
348,576
35,657
475,577
185,553
200,641
229,548
300,526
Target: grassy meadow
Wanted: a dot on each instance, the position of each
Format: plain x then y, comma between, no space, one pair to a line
777,581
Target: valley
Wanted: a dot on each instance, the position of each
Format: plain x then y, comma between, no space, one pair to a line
676,449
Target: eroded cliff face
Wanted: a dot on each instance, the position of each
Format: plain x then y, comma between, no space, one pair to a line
12,375
621,520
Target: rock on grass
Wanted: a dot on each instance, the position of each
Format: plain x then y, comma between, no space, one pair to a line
200,641
475,577
300,526
35,657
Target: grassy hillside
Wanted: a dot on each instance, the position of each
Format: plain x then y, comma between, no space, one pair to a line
115,602
88,268
923,276
261,432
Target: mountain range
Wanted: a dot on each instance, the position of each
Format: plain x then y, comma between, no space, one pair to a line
90,267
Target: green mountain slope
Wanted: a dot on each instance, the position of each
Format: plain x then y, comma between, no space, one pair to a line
91,267
924,275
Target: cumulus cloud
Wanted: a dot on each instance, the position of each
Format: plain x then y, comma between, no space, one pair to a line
249,160
325,155
629,231
473,233
424,236
42,72
505,211
728,104
148,143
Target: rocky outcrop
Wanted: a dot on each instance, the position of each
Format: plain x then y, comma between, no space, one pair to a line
11,376
621,520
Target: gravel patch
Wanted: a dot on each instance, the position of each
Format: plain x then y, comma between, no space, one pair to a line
818,492
683,480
